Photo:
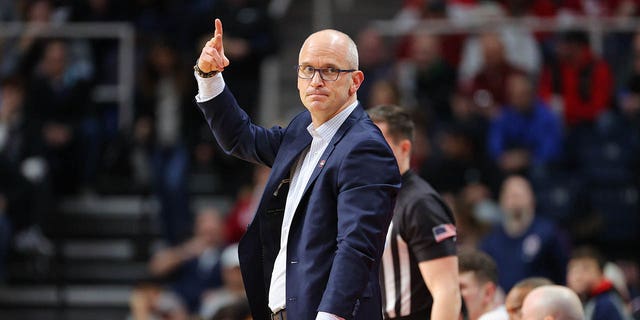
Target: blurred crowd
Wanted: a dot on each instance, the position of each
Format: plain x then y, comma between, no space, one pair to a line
552,108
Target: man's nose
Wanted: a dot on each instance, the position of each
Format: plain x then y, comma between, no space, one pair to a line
316,79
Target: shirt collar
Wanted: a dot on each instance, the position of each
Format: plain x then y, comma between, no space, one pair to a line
327,130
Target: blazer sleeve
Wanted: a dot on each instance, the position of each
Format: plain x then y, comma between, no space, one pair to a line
368,183
236,134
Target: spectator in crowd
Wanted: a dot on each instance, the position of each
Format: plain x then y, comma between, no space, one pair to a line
489,85
521,50
426,79
585,276
232,290
479,286
580,86
525,244
245,205
165,126
525,133
422,231
23,171
517,294
19,53
552,302
57,104
374,62
104,51
384,92
458,160
249,40
616,275
190,268
151,301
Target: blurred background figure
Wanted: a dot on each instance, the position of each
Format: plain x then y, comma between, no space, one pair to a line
164,130
189,269
244,208
58,104
569,85
525,134
232,293
24,172
489,84
552,303
375,62
585,276
249,39
517,294
525,244
426,79
481,294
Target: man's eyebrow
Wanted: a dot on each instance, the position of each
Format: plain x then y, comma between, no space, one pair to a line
324,66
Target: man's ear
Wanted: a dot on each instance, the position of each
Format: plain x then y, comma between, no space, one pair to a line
356,77
489,292
406,146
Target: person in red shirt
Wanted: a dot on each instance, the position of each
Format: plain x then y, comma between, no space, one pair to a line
580,86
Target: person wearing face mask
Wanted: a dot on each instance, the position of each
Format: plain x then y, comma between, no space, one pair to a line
524,244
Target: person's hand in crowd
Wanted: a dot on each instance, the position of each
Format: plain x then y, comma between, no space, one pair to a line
212,57
193,248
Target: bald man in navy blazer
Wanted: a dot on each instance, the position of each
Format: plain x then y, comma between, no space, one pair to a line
313,249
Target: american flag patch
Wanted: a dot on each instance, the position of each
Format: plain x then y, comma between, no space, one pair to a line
443,231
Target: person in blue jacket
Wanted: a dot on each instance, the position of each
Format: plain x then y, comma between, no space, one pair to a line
526,133
525,245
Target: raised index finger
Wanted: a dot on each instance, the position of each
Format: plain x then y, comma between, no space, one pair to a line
218,30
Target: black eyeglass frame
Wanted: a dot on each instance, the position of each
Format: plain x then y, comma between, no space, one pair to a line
319,70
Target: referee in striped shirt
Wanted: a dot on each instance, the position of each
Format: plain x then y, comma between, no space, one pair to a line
419,274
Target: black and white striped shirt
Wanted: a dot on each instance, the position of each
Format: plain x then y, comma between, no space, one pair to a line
422,229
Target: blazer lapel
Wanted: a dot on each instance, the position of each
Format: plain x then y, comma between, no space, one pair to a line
344,128
289,154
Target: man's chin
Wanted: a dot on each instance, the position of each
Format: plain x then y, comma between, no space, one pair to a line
315,105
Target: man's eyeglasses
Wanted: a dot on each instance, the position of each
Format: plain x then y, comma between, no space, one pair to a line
326,74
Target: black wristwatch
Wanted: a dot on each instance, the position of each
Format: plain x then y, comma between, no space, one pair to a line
202,73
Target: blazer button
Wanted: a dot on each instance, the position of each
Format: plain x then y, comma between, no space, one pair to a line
293,261
291,299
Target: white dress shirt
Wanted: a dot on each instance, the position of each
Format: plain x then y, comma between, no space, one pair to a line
209,88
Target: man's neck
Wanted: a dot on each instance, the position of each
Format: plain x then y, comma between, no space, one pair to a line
404,168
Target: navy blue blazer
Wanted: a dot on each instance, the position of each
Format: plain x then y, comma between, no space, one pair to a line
337,234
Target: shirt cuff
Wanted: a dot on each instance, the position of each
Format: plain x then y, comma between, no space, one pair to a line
209,88
327,316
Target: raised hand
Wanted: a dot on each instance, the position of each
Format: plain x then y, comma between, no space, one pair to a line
212,57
